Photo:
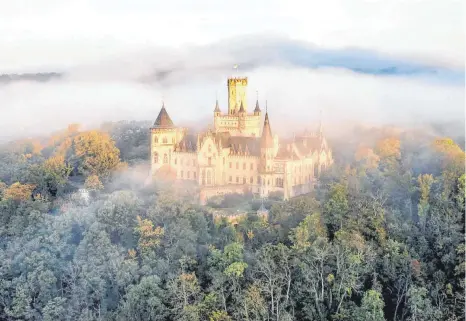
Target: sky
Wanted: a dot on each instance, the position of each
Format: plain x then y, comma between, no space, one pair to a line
106,46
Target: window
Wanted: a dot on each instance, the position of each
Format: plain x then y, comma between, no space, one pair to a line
181,174
268,182
165,158
210,160
244,166
210,148
251,180
194,175
230,179
237,179
237,165
156,157
156,139
230,164
164,140
208,178
187,174
258,180
173,140
194,162
244,180
223,160
252,166
175,161
181,161
203,177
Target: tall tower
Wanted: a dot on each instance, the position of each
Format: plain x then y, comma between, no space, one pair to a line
267,156
237,88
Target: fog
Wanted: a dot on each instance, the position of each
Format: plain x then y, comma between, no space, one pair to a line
132,87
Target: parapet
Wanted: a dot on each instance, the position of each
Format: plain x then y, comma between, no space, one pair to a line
236,80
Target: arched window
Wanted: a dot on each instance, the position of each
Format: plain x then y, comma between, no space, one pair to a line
209,161
208,178
203,177
156,157
258,180
237,165
156,139
165,158
164,140
244,180
251,180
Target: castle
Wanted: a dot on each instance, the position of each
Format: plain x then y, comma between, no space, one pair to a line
236,156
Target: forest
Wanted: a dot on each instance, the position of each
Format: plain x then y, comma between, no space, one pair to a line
380,238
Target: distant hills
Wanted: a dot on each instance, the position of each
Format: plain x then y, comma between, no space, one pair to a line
252,52
37,77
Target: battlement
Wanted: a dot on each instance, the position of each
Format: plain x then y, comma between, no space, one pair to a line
237,80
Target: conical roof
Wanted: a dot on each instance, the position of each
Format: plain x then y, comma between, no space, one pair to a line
241,108
257,109
217,108
163,119
267,139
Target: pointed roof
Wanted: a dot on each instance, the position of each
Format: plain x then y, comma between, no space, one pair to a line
217,108
257,109
267,139
241,109
163,120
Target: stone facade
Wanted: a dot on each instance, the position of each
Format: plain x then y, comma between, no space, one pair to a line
239,154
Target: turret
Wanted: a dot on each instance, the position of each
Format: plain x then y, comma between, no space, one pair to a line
217,111
257,110
164,138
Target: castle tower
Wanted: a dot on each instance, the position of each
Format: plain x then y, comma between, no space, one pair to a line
164,136
237,88
267,155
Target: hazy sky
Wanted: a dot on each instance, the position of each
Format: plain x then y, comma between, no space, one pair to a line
104,45
38,33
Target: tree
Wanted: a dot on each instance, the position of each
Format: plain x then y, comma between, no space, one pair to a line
95,153
371,307
144,301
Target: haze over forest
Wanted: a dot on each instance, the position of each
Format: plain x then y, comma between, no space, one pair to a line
83,236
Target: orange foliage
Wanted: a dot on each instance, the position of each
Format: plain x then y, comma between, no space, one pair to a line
388,147
18,191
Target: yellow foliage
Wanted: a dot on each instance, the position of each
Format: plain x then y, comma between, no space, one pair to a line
93,183
18,191
97,153
388,147
149,237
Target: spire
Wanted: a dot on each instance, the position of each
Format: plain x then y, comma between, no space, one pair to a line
241,108
163,119
266,139
257,109
217,108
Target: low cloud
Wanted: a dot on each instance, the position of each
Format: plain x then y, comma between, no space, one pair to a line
348,87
